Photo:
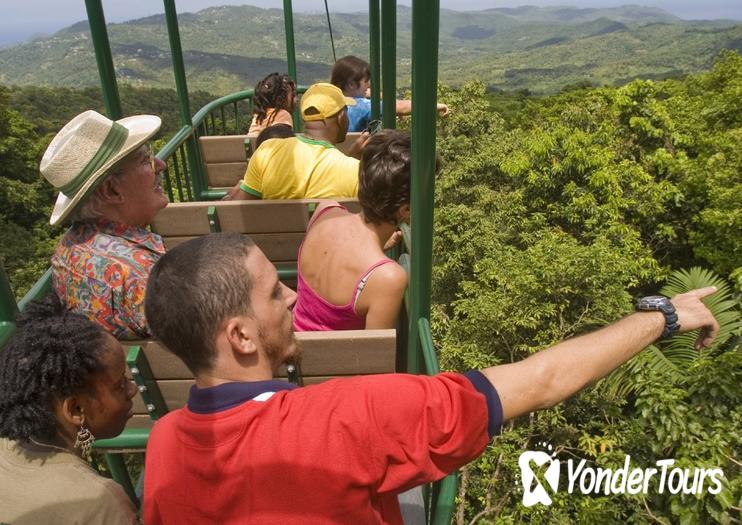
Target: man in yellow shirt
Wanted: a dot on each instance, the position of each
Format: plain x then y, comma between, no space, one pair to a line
307,166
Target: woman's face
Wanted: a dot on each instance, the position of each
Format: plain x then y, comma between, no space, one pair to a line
108,405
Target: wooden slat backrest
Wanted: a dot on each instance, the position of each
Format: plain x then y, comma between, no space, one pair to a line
262,216
226,148
225,157
327,355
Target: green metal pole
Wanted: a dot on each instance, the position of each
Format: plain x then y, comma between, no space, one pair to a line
389,61
425,20
181,86
8,308
120,474
374,56
288,22
103,57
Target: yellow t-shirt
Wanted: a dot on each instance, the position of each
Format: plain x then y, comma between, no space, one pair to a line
300,168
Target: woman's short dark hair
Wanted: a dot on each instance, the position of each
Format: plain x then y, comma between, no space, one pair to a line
349,70
272,92
53,354
384,177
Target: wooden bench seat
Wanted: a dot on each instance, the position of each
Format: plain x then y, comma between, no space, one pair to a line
327,355
225,157
276,226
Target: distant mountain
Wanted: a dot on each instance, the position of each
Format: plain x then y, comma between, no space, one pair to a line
536,48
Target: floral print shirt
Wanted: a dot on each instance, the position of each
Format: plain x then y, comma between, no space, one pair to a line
100,269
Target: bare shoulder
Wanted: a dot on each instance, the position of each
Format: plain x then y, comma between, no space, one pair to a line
390,276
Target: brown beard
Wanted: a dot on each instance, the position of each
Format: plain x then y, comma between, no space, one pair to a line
276,352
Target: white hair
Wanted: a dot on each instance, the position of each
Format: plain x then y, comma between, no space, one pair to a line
90,207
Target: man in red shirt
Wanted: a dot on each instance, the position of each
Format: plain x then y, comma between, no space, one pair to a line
249,449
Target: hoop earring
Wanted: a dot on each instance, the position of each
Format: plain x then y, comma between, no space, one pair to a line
84,440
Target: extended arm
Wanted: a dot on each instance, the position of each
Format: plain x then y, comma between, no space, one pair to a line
404,107
552,375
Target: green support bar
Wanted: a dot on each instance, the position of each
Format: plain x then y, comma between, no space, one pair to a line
103,57
425,19
288,22
8,308
374,55
214,226
389,61
120,474
198,177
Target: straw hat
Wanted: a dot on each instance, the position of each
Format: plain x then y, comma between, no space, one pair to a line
83,152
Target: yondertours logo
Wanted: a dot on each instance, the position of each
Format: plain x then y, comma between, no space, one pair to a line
540,476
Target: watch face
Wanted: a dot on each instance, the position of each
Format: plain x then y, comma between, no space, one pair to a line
656,302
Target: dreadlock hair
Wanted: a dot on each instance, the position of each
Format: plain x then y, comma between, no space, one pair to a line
53,354
272,92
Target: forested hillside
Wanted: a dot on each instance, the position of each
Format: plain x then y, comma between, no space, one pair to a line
546,226
541,49
551,214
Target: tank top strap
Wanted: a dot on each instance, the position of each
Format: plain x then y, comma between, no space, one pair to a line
319,214
364,278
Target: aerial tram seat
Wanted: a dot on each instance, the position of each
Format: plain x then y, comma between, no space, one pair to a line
225,157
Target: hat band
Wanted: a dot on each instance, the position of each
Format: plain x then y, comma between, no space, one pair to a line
108,149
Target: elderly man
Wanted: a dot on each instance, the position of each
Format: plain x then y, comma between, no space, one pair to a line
110,190
338,452
307,166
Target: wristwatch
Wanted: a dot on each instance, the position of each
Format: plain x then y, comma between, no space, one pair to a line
659,303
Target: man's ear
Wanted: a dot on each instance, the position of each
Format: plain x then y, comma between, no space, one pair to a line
108,191
241,336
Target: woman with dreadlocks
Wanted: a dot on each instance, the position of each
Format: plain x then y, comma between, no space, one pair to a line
62,384
273,101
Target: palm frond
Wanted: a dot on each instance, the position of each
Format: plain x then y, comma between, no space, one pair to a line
676,356
722,305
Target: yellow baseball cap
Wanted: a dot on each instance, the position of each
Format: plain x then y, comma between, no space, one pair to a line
322,101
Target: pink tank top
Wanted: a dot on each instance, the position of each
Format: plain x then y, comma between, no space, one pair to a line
313,313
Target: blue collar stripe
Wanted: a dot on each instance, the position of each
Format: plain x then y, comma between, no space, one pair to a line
229,395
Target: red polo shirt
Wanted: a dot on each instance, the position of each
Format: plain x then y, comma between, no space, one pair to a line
338,452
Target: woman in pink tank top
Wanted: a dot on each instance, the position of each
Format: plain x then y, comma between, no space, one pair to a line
345,282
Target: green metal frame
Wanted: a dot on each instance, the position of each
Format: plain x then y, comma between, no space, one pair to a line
102,46
389,62
288,21
183,154
374,46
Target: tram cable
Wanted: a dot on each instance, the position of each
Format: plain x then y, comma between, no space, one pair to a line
329,26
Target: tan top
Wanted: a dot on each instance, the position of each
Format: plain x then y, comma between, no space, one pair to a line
272,116
54,487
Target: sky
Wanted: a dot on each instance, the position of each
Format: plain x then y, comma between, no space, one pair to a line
22,19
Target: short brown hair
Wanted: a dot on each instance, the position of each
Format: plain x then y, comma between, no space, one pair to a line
384,176
192,289
348,70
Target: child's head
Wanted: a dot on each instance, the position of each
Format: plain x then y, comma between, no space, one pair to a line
274,91
351,74
276,131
